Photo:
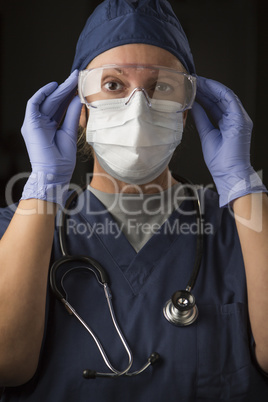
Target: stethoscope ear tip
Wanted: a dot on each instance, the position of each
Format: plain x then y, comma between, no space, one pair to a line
89,374
154,358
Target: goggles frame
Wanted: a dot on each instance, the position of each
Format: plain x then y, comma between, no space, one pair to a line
84,73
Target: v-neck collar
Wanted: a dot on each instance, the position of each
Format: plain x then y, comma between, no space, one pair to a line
136,267
140,215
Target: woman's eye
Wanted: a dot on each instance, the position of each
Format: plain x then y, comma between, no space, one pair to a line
113,86
163,87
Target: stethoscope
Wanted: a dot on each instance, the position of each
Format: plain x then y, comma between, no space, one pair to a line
180,310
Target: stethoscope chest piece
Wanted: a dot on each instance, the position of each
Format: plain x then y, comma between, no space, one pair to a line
181,309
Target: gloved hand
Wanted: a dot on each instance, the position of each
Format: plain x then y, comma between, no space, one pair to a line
226,148
51,148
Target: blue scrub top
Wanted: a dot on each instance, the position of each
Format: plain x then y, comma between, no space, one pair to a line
210,360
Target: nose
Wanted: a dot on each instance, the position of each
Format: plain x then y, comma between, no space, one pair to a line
139,89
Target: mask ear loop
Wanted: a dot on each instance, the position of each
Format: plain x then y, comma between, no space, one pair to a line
87,112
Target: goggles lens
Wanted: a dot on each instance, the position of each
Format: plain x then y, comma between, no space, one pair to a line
118,82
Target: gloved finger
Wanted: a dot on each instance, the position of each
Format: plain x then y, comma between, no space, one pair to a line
219,94
71,120
202,122
56,104
210,106
224,106
67,135
33,104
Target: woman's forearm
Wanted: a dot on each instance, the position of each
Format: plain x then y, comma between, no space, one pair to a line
251,214
25,251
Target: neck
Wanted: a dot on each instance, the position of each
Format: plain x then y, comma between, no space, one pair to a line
102,181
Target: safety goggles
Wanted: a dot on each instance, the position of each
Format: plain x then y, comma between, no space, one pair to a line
116,81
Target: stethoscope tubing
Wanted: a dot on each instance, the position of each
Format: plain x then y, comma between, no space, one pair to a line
170,310
199,238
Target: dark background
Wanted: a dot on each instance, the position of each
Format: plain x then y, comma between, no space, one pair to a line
228,39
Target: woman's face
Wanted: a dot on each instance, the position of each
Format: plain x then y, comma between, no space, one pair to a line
136,54
124,55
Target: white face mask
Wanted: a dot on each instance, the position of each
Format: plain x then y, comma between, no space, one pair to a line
134,143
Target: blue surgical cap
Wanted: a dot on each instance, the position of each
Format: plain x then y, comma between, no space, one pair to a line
119,22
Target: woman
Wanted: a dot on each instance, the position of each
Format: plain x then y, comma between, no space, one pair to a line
137,221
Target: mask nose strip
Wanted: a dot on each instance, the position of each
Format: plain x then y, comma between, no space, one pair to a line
139,89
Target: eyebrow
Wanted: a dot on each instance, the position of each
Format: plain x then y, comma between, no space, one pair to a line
111,69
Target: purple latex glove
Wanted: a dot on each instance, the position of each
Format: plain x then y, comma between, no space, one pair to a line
226,148
51,148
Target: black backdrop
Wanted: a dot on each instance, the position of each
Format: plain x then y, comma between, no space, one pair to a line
228,39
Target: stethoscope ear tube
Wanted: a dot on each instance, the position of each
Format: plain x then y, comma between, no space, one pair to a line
97,269
64,216
89,264
180,310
